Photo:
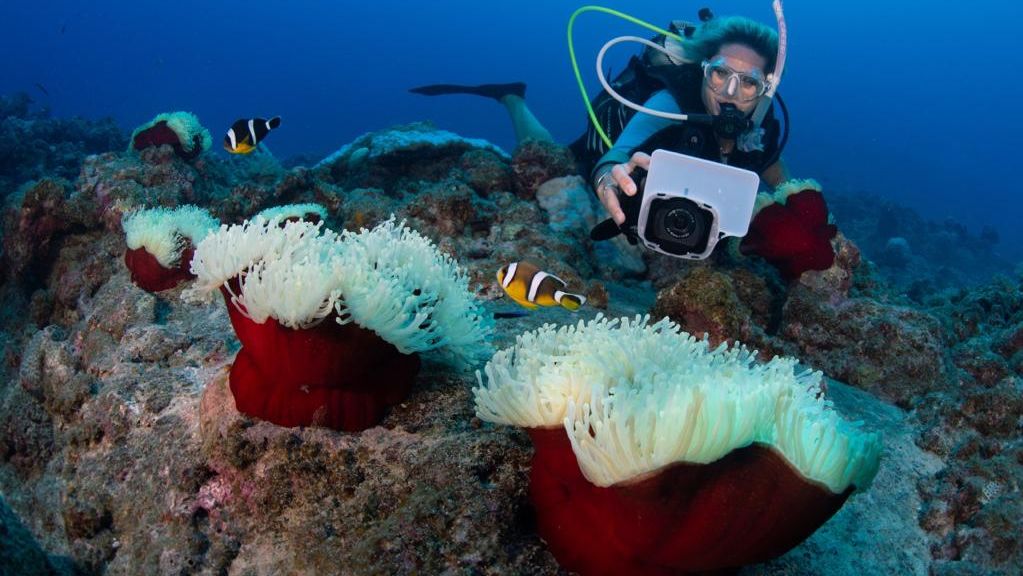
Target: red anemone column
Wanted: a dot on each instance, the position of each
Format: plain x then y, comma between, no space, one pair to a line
748,507
340,377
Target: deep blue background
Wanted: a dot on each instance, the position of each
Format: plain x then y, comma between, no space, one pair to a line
918,101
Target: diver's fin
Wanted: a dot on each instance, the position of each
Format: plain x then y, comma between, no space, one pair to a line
495,91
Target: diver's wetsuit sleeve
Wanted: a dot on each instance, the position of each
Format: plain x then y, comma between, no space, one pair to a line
639,129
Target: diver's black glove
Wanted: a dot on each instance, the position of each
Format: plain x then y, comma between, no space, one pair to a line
607,229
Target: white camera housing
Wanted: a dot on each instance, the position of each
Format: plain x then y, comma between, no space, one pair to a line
689,204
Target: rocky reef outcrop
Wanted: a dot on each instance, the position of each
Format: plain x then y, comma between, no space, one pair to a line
34,144
121,450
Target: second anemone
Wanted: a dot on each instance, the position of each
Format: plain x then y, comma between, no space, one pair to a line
331,327
655,454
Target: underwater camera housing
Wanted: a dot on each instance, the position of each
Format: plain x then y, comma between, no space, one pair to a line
688,204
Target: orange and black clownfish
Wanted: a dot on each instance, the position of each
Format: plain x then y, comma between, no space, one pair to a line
531,287
246,134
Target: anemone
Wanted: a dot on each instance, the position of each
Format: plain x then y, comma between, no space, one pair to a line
792,229
794,186
395,282
160,243
269,268
668,455
331,327
309,212
180,130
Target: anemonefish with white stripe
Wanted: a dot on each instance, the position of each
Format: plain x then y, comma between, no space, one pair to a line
531,287
246,134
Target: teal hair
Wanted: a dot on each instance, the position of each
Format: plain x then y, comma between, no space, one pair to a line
712,35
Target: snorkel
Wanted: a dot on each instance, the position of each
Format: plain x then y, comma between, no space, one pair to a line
774,78
731,123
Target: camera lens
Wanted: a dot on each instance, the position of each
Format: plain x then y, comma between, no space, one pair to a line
678,226
679,223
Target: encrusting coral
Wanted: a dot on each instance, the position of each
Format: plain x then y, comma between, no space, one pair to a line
331,326
179,130
656,455
161,242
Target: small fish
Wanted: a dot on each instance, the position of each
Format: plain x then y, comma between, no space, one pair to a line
531,287
246,134
358,221
42,88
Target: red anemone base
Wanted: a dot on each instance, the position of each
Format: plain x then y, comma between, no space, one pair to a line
340,377
795,236
159,134
148,274
745,508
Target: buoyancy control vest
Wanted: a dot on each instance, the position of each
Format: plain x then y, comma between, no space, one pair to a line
647,74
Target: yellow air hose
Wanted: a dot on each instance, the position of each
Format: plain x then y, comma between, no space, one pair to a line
575,63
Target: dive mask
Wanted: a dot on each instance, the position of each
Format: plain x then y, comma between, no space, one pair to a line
742,86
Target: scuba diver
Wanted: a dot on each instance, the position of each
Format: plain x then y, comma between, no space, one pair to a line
707,92
722,72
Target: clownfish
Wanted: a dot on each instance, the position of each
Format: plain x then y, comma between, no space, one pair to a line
246,134
531,287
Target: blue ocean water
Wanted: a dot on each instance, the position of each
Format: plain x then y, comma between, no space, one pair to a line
912,101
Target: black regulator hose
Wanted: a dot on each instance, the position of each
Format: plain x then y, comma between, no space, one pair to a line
785,133
731,123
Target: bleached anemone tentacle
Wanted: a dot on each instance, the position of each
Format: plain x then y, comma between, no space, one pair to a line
185,125
790,187
531,383
396,283
297,288
294,212
164,232
234,299
635,398
154,230
822,446
195,223
390,280
232,251
296,283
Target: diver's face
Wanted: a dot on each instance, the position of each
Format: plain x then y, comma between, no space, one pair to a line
743,60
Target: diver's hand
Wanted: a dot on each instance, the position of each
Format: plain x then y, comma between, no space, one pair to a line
620,179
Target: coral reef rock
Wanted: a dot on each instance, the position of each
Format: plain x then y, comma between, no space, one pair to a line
122,452
536,162
34,145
